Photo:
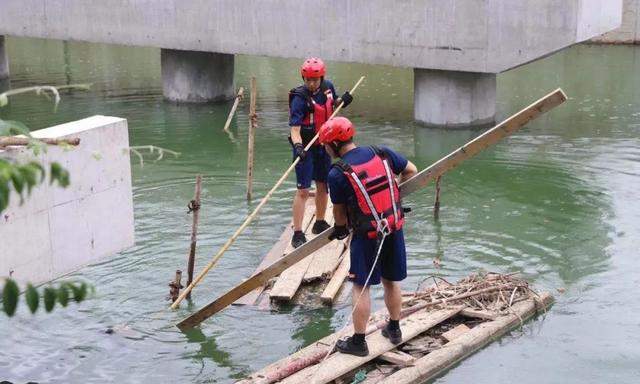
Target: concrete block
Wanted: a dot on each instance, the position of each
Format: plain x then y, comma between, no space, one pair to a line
629,21
448,98
25,249
56,230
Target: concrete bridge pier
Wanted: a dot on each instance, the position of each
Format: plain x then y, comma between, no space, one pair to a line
4,61
196,77
454,99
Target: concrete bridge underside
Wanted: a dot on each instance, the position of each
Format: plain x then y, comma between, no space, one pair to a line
455,47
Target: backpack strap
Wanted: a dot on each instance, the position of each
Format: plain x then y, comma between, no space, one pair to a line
379,151
343,166
302,92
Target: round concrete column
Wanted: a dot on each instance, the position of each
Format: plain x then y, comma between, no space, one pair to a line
4,61
196,77
453,99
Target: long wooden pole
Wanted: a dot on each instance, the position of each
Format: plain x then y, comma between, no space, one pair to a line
419,181
253,214
251,139
233,109
194,206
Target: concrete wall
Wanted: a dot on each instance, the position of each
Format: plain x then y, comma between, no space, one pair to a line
460,35
629,31
56,230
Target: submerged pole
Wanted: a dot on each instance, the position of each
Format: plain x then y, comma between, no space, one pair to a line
175,285
194,206
233,108
436,204
253,122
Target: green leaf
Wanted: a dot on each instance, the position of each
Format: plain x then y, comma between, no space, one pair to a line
10,297
18,180
32,297
49,298
59,174
63,295
29,175
79,292
4,99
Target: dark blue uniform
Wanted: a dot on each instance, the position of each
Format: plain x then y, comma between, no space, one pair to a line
316,164
392,263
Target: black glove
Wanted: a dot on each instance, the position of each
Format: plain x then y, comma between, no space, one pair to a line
339,232
346,98
300,152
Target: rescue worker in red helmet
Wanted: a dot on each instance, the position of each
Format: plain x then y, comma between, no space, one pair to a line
310,105
366,199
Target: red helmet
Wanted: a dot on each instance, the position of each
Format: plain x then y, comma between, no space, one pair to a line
336,129
313,67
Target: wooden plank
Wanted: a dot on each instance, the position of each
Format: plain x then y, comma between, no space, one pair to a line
456,332
437,362
338,364
331,290
321,262
273,255
420,180
325,261
485,140
313,352
287,284
485,315
398,358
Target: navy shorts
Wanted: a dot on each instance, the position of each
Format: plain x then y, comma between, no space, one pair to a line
315,166
392,263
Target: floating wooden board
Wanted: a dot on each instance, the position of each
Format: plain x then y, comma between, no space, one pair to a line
339,275
289,281
420,180
437,362
324,261
339,364
311,352
273,255
398,358
486,315
456,332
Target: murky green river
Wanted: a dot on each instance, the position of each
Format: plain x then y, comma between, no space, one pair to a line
557,201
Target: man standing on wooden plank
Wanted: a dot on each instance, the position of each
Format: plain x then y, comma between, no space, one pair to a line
366,197
310,105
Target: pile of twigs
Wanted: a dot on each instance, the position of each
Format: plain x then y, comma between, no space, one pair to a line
482,291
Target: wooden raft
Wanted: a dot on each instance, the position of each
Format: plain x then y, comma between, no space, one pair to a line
434,339
328,267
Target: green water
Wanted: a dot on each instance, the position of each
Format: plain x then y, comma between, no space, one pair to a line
556,201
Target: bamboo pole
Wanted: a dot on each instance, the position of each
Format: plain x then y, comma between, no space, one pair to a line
252,133
253,214
233,109
436,204
13,140
194,206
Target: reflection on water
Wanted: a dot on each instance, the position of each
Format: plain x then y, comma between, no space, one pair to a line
556,201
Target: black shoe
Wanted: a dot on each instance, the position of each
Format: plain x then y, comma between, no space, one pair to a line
298,239
394,335
320,226
349,347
